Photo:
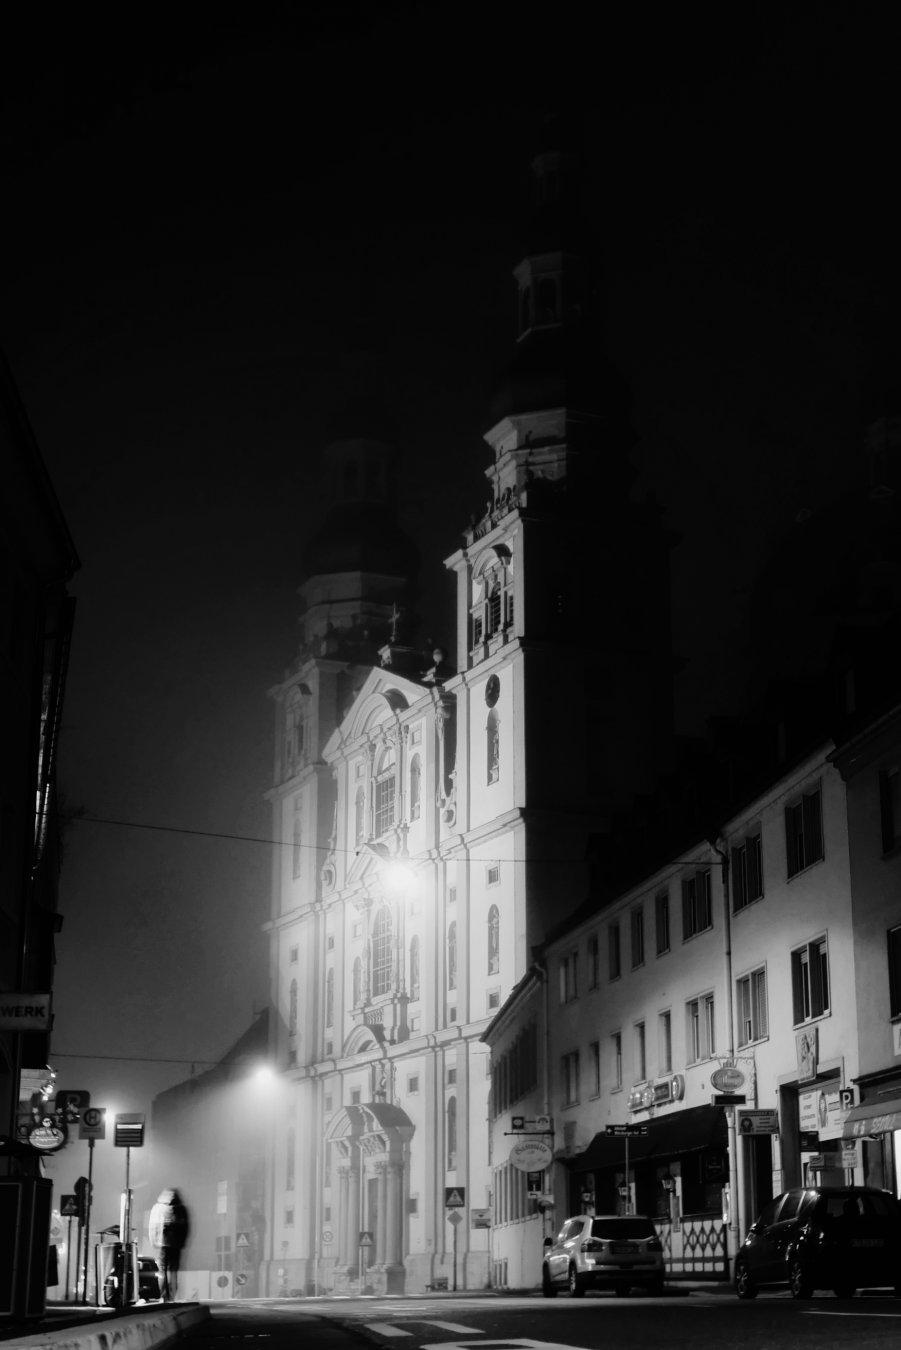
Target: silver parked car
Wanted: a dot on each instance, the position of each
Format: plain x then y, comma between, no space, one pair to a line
606,1250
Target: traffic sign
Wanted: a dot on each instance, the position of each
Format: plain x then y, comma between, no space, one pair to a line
240,1278
454,1197
328,1237
365,1239
93,1123
242,1240
71,1102
68,1206
455,1217
628,1129
129,1131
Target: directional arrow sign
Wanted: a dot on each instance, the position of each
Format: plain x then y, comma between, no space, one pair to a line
625,1129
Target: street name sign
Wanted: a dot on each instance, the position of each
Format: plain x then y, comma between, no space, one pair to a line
627,1130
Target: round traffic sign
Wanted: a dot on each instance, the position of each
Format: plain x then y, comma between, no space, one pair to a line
92,1117
328,1237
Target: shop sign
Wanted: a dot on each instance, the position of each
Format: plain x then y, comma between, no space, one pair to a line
822,1111
480,1218
531,1155
806,1051
758,1122
850,1155
25,1012
727,1079
46,1135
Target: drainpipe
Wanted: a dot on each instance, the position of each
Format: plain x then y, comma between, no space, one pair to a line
733,1228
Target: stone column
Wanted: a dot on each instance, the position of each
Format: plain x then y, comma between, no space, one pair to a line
394,1214
353,1216
381,1172
343,1179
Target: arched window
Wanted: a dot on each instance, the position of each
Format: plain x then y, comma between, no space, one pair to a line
330,998
451,1133
358,982
292,1009
359,812
452,956
492,605
297,840
385,791
415,786
381,952
414,967
290,1154
493,746
494,940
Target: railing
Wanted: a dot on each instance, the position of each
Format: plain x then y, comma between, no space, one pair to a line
694,1246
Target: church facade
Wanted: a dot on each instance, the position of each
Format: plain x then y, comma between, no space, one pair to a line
437,816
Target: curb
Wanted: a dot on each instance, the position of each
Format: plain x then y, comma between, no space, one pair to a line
129,1331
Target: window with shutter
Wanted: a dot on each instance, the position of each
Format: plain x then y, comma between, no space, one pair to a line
804,832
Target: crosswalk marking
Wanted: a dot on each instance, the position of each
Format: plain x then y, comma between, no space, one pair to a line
389,1329
455,1326
386,1329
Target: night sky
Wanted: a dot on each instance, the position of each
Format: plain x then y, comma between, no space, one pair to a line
213,236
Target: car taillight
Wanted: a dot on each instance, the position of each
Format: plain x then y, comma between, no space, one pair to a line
655,1245
593,1245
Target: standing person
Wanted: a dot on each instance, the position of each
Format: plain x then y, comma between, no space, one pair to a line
169,1233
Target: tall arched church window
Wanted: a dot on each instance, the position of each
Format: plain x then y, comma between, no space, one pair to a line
297,841
451,1133
292,1009
330,997
381,952
493,746
358,982
359,813
452,955
385,791
294,734
415,787
494,940
414,967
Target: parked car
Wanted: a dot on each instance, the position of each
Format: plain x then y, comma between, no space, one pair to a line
827,1237
605,1250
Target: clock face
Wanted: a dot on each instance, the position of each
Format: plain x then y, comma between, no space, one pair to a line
492,690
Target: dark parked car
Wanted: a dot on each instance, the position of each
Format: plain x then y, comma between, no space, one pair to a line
842,1238
148,1281
612,1250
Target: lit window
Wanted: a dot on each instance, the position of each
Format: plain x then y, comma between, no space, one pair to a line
569,977
494,940
385,793
414,967
804,832
752,1007
810,980
415,786
381,952
452,956
357,981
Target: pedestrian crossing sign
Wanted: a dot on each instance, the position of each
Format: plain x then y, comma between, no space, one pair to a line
455,1197
242,1240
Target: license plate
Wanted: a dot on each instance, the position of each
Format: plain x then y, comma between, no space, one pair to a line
623,1248
868,1242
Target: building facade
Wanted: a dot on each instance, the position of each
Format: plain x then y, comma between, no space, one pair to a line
437,816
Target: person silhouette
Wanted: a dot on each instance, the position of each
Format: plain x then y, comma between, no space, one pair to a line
169,1233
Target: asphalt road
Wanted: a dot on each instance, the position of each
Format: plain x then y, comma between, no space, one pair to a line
697,1321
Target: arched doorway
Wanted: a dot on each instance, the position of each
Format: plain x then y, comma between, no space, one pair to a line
371,1145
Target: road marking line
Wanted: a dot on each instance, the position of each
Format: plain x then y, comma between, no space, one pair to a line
824,1312
386,1329
455,1326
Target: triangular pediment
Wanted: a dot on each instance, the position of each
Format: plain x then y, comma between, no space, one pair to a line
382,698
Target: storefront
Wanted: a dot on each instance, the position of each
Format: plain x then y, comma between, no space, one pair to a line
874,1128
677,1173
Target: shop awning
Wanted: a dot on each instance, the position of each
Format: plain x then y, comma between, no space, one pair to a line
873,1117
696,1127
